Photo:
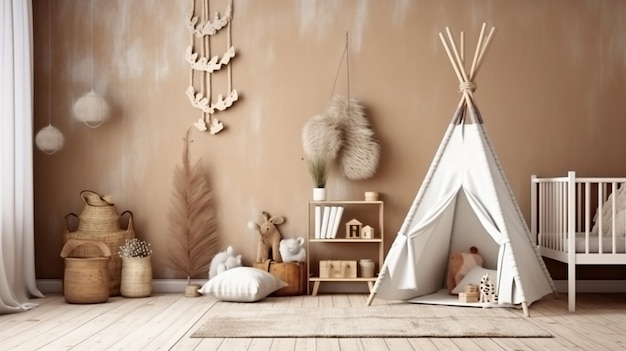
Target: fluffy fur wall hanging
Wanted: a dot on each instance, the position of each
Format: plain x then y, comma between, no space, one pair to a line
360,153
343,134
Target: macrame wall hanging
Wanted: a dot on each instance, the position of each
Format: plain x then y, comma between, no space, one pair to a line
49,139
203,66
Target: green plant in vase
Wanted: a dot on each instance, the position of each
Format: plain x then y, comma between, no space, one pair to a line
318,168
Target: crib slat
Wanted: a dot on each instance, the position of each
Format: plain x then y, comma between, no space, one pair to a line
587,214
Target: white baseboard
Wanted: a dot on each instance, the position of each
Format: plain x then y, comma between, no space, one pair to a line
55,286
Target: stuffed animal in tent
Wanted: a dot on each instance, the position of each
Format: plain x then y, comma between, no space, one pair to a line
224,261
460,264
488,291
269,238
292,250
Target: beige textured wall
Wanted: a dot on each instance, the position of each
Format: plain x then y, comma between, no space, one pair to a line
551,92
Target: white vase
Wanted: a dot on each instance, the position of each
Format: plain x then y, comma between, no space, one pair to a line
319,194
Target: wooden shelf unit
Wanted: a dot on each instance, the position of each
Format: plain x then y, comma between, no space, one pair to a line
369,213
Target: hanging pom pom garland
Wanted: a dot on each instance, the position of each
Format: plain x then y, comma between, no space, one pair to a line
91,109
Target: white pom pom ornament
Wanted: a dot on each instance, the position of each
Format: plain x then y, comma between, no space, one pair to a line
49,140
91,109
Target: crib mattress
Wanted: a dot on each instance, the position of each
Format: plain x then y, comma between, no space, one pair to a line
594,243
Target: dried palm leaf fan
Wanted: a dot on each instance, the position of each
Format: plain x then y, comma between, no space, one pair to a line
193,221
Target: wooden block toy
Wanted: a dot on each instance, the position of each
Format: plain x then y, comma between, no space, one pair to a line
468,297
471,289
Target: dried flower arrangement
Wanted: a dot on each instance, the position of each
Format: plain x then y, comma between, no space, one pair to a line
135,248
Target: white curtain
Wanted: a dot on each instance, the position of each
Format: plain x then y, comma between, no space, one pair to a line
17,249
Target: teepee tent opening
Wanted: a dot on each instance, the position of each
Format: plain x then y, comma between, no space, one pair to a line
465,200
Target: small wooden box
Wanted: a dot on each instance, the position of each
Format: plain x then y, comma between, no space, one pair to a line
468,297
337,269
471,289
330,269
348,269
324,269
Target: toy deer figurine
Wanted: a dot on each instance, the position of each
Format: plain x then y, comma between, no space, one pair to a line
269,237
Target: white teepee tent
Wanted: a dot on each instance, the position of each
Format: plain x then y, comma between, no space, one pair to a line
465,200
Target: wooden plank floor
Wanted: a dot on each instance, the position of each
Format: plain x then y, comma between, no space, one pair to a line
165,321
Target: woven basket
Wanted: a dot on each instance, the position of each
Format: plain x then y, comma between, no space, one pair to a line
136,276
86,280
98,215
114,239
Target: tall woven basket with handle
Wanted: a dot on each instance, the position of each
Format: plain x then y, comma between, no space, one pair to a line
99,221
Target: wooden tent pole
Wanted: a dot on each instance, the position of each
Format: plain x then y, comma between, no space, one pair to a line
484,49
456,55
479,46
454,65
463,47
467,93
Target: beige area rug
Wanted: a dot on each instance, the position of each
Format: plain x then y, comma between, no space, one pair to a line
267,320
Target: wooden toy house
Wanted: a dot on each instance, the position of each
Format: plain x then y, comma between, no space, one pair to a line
353,229
367,232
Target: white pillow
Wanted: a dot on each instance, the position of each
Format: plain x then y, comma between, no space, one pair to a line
473,277
242,284
607,212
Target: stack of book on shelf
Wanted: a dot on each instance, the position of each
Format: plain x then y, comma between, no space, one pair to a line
327,220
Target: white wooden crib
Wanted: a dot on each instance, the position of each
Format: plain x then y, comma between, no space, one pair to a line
578,221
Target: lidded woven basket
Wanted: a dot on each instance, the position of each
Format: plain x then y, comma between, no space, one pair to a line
99,221
99,213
